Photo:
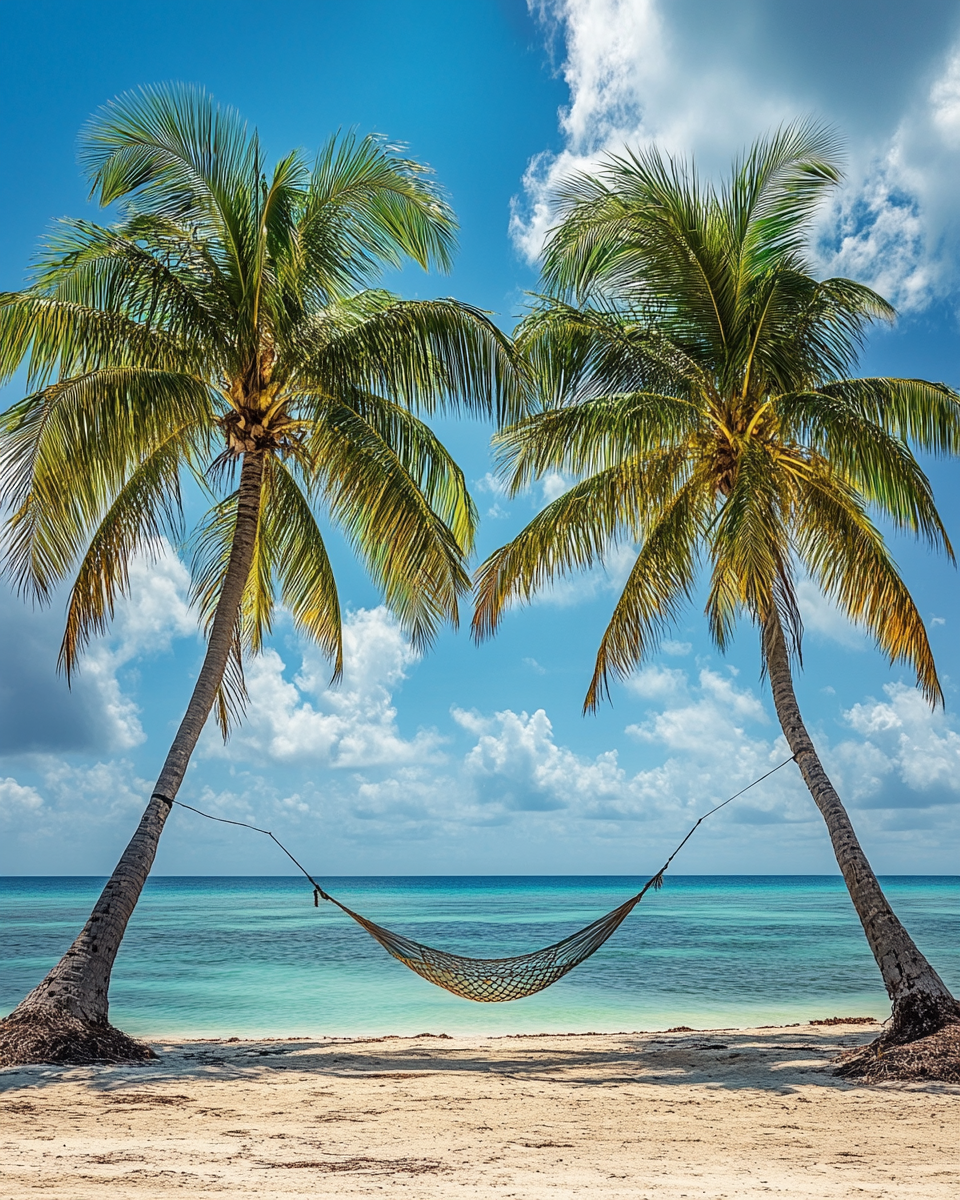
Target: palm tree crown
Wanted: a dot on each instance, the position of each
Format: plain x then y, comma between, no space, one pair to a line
694,377
229,313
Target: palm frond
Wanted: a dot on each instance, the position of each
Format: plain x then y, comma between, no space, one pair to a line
846,556
575,532
877,463
927,414
145,509
428,354
300,562
661,581
584,438
749,546
366,207
71,448
409,550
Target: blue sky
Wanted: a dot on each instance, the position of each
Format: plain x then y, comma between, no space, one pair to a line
477,759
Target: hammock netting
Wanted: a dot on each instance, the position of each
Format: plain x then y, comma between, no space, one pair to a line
489,980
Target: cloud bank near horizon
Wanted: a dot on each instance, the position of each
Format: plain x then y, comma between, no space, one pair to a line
338,766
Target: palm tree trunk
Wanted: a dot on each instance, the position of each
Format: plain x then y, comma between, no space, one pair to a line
64,1018
922,1003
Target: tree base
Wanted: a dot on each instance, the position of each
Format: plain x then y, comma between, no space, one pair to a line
31,1038
929,1059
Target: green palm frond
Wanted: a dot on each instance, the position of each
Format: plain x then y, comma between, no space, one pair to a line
579,354
424,458
228,313
409,550
662,579
686,318
878,464
101,427
927,414
147,508
366,207
581,439
179,152
575,532
845,554
749,546
424,353
301,564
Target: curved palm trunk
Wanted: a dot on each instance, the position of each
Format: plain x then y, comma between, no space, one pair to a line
922,1003
64,1018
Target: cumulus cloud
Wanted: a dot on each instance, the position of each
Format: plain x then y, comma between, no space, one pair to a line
629,86
69,818
895,225
353,724
517,762
640,71
712,733
37,711
15,799
909,755
146,622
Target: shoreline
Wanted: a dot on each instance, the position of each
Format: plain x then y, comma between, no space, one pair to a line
699,1113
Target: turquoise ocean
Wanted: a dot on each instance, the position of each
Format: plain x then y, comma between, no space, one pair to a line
250,956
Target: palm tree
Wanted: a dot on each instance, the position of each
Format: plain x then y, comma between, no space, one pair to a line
694,378
227,324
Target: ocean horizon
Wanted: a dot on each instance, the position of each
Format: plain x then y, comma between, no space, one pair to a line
250,956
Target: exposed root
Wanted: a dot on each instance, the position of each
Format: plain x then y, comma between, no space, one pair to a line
933,1058
39,1037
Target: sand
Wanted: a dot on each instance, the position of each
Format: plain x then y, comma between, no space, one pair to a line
721,1113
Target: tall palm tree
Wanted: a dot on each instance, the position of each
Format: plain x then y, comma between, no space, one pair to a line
225,327
694,378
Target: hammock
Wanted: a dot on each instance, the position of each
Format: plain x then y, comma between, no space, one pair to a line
489,980
492,980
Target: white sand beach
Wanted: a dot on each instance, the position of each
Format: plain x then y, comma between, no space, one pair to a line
705,1114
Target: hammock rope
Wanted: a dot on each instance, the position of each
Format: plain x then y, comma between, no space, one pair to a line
492,980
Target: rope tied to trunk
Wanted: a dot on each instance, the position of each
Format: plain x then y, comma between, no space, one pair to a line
493,980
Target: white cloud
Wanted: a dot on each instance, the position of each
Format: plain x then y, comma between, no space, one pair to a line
554,485
657,683
15,799
146,621
353,724
637,75
910,755
517,762
895,223
629,86
720,711
516,766
491,484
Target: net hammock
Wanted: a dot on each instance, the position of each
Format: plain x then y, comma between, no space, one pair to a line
493,980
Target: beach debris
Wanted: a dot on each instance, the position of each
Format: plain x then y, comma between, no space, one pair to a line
376,1166
846,1021
934,1058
